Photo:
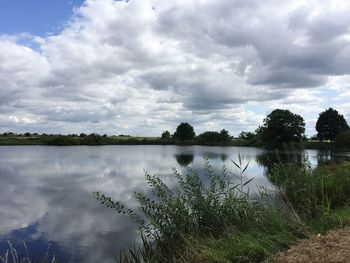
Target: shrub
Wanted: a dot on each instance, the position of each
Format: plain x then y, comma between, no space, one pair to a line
213,137
342,140
184,132
93,139
313,192
166,135
61,140
198,207
193,206
281,127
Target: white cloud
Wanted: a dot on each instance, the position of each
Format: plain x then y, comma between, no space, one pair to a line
142,66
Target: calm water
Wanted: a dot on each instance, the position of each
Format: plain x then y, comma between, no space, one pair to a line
46,193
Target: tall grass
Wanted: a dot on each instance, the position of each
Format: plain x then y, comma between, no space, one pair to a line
213,219
313,192
12,256
204,208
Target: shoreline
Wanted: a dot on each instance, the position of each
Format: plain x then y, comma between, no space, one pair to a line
58,140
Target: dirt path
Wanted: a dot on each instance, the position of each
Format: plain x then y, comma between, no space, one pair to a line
331,248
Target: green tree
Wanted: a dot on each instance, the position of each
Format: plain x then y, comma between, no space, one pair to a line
166,135
92,139
342,140
225,136
184,132
249,138
213,137
329,124
281,127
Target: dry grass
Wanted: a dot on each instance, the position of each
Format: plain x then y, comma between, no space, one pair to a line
332,247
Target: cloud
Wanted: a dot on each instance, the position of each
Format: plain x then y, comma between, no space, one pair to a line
55,203
142,66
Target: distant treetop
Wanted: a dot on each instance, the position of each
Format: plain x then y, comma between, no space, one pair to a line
281,127
329,124
184,132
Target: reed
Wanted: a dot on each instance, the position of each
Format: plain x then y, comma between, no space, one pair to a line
12,256
187,222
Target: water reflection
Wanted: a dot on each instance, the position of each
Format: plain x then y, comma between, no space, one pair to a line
268,158
325,157
46,192
184,159
215,155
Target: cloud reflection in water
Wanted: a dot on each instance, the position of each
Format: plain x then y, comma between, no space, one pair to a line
46,193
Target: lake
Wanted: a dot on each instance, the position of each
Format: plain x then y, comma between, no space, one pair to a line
46,193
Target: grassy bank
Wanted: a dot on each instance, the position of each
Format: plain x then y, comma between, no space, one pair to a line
213,220
66,140
95,139
318,145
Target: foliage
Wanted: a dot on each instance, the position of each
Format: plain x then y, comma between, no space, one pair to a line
12,256
281,127
313,192
184,132
342,140
318,145
193,206
249,139
225,135
270,235
196,206
199,209
213,137
166,135
210,219
330,123
8,134
314,137
61,140
93,139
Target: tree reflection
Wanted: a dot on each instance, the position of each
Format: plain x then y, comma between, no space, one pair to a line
270,158
184,159
326,157
211,155
293,160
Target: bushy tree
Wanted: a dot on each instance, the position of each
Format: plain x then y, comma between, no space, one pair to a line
281,127
342,140
213,137
184,132
61,140
225,136
166,135
92,139
329,124
249,138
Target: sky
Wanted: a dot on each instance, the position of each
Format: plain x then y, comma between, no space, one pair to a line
140,67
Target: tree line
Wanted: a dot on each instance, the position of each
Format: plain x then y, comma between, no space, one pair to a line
279,128
283,127
185,133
